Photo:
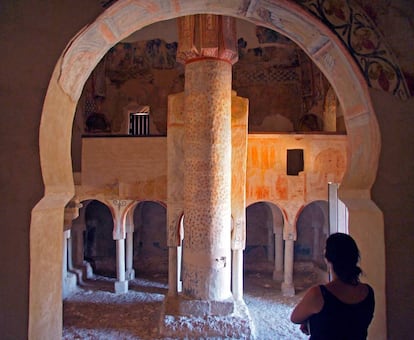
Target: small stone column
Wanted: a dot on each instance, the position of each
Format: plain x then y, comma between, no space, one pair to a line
121,285
179,268
278,269
69,278
82,268
174,249
288,288
130,272
119,209
77,244
237,282
66,235
172,271
70,252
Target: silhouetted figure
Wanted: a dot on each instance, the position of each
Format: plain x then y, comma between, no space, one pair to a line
343,308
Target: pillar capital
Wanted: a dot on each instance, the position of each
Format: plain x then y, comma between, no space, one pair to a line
119,208
71,212
207,36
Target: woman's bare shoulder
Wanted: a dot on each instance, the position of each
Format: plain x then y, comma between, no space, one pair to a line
311,303
348,293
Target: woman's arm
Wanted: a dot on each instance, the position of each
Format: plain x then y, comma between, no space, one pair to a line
310,304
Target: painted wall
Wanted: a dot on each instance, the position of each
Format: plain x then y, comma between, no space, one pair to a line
267,178
282,84
33,36
136,168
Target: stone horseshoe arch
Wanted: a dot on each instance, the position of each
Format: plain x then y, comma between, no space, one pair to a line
81,56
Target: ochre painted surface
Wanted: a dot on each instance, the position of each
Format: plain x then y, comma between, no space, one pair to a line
126,167
143,175
267,180
324,48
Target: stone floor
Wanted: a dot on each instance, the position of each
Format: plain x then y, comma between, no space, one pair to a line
93,311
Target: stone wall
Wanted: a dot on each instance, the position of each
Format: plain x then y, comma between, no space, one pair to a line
35,34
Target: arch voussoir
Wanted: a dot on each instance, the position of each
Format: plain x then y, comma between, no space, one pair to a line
124,17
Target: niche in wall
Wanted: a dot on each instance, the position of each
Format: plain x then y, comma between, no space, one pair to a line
294,162
99,246
259,252
150,238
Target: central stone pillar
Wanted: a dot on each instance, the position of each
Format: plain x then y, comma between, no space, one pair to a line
207,180
208,48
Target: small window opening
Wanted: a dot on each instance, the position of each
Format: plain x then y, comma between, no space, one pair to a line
294,162
139,122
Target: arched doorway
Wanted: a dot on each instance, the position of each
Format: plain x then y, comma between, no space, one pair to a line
259,252
264,243
312,228
122,19
150,239
264,251
99,246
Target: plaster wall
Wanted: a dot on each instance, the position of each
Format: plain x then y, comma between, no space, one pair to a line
139,167
33,35
130,167
41,31
393,192
267,179
116,166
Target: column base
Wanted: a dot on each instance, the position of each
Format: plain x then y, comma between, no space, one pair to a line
130,274
69,284
78,272
288,289
196,319
121,287
87,270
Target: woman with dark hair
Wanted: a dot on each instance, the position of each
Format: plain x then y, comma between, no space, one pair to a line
343,308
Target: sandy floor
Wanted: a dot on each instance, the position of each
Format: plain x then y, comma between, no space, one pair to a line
93,311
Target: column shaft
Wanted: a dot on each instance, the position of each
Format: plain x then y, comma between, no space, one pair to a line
120,259
121,286
78,248
278,271
207,180
70,252
237,274
130,273
65,255
172,271
287,286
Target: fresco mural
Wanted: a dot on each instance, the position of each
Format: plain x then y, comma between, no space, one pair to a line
282,84
357,27
357,30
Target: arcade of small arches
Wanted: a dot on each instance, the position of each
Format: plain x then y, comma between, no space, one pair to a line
122,239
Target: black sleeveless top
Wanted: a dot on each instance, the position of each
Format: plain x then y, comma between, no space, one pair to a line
342,321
